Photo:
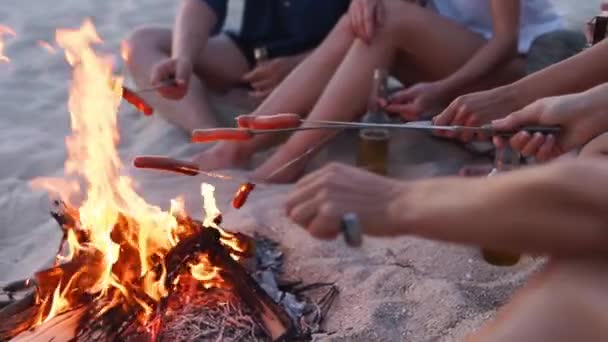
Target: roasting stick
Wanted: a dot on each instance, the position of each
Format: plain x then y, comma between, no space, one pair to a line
250,126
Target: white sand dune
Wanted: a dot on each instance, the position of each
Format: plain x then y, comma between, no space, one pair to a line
399,289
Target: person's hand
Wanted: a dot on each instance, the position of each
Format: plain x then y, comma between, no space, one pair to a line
321,198
267,75
570,112
477,109
414,101
366,16
177,69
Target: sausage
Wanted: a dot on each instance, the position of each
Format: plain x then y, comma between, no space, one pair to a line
216,134
166,164
244,121
241,195
276,121
136,100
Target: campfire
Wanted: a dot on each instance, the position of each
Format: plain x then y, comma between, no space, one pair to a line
128,270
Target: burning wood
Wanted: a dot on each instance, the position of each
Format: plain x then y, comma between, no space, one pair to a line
131,268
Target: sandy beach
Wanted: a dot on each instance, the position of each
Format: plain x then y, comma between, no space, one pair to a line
404,289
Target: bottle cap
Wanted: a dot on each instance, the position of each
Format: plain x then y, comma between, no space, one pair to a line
260,54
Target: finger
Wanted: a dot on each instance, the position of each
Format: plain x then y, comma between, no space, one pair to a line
402,96
360,24
162,72
303,213
327,223
182,74
499,142
444,118
527,116
380,14
531,148
368,22
547,150
520,140
308,187
409,111
254,75
459,120
352,17
467,135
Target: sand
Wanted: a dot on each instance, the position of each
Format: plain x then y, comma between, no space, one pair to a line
400,289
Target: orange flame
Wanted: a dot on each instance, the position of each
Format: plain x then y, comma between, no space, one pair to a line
205,272
131,236
5,31
125,50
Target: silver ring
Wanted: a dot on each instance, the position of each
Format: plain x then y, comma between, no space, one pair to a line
351,227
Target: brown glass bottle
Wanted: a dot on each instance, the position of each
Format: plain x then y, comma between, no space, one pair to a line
373,149
506,159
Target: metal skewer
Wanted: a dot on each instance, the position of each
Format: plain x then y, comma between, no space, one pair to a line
428,125
417,125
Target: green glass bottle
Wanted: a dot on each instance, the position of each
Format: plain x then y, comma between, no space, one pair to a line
373,149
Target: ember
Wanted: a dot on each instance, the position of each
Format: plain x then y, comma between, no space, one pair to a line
131,269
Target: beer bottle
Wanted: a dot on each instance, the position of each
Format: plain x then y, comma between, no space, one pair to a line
373,146
506,159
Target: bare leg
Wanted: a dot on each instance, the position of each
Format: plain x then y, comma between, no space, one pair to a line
220,66
566,302
419,57
296,94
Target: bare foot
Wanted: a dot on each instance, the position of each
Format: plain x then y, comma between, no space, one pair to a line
225,155
476,170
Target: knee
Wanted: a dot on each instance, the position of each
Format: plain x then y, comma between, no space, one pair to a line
145,40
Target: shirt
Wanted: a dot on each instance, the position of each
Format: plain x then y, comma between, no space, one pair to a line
537,17
284,27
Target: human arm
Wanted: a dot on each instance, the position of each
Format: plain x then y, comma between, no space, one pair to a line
573,75
411,102
500,48
193,26
556,209
581,117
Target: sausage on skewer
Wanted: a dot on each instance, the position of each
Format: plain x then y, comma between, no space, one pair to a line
166,164
278,121
242,194
137,101
211,135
